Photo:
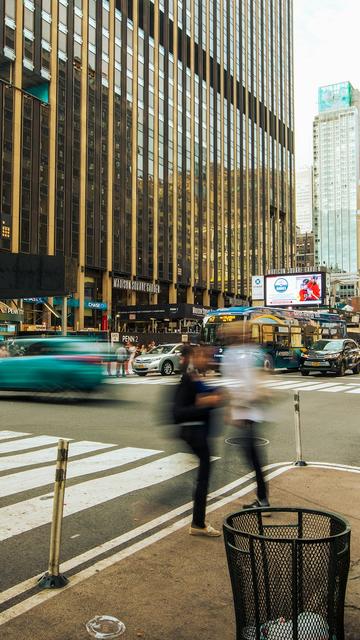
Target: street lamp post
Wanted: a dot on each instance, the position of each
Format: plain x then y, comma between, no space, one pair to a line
64,316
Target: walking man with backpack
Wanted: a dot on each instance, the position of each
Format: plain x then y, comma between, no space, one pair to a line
193,404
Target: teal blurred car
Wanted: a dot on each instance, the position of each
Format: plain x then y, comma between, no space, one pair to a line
51,365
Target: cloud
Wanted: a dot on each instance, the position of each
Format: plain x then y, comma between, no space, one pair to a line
326,52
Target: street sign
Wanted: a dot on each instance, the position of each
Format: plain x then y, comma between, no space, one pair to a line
257,288
93,304
115,337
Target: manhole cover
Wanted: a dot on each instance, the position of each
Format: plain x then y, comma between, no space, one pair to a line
239,440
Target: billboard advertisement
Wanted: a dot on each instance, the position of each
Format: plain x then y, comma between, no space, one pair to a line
294,289
257,287
335,96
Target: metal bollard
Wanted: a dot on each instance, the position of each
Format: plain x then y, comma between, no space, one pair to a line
299,457
53,579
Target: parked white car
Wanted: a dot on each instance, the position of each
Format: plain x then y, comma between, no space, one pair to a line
164,359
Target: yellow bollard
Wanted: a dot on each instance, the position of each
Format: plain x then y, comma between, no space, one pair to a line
53,579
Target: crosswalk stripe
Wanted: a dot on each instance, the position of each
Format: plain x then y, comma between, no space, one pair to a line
271,383
27,443
291,385
6,435
144,380
340,387
305,385
26,480
28,514
357,390
320,386
34,458
315,385
288,384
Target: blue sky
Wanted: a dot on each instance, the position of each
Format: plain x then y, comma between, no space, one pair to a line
327,51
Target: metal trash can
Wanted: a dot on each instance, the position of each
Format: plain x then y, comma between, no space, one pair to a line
288,573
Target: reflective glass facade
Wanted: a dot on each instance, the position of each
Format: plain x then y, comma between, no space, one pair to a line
336,178
156,142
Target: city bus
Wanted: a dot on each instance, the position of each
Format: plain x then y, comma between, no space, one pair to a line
283,334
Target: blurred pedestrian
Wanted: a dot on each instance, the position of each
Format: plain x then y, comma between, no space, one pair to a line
132,356
121,360
193,404
109,357
4,353
127,347
242,364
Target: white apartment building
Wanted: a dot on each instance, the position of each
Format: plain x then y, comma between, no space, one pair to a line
336,178
304,199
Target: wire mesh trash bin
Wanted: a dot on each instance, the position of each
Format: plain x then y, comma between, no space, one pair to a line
288,574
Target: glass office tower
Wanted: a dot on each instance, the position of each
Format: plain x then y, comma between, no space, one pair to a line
304,199
336,177
151,141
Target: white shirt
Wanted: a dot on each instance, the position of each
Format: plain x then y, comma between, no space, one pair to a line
241,366
121,354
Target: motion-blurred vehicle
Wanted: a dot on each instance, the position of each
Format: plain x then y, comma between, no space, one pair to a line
331,356
51,365
164,359
283,334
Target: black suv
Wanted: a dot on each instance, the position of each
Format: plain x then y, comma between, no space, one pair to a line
333,356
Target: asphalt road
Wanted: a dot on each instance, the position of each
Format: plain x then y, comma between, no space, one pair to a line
122,498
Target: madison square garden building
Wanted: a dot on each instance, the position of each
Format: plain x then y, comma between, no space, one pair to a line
151,141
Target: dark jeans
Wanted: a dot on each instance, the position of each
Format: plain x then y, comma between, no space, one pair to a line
196,438
121,366
253,456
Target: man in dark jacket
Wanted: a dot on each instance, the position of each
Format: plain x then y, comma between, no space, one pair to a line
193,403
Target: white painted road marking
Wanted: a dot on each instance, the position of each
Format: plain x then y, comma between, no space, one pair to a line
318,386
105,547
27,443
41,597
28,514
26,480
340,387
49,455
6,435
281,383
286,383
300,385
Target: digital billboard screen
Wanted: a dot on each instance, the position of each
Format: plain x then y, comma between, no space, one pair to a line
24,275
335,96
294,289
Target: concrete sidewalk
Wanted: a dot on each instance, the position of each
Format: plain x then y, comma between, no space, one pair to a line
179,588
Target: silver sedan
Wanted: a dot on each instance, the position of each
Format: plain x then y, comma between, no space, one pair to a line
164,359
